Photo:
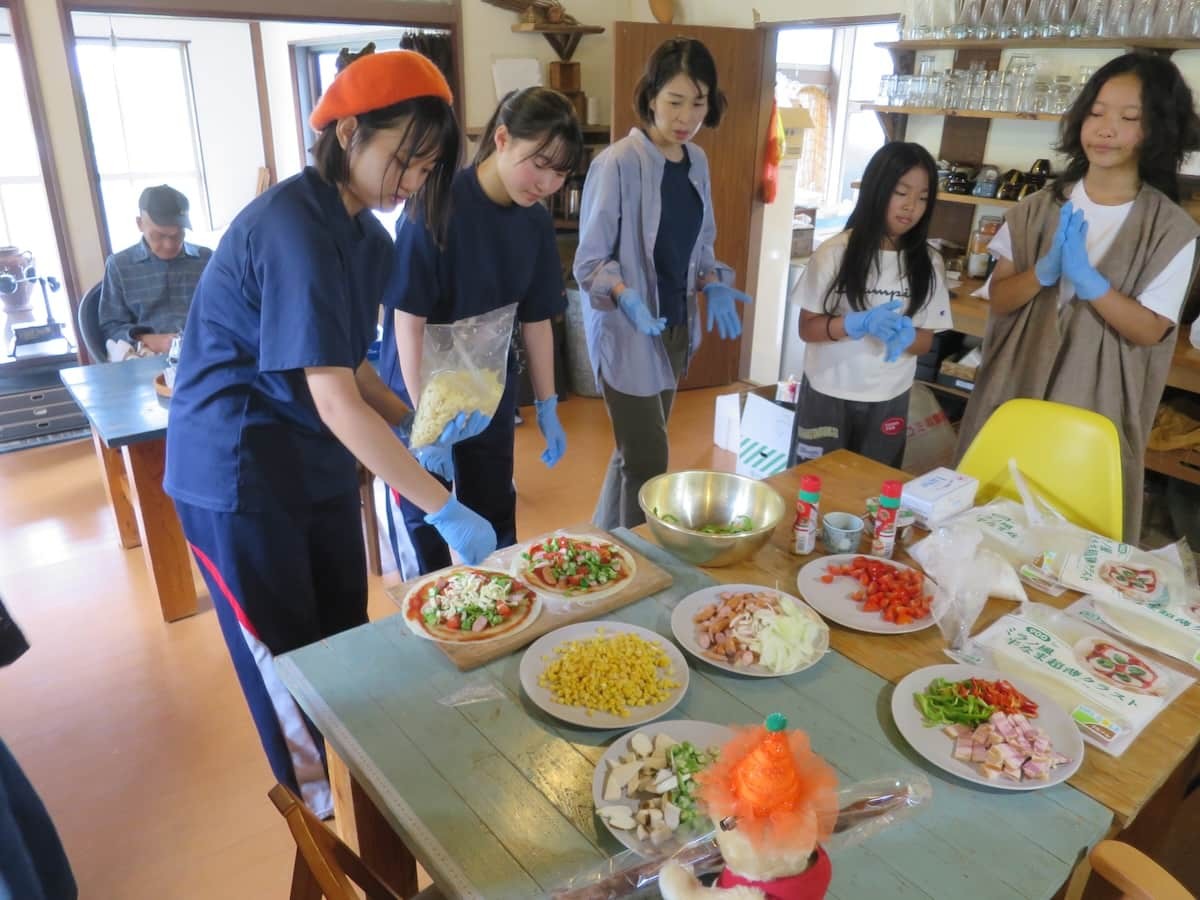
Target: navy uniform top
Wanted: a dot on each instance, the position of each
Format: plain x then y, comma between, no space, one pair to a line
142,294
295,282
678,228
493,256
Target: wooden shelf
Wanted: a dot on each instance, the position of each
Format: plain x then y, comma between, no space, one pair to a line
1160,45
972,200
961,113
563,38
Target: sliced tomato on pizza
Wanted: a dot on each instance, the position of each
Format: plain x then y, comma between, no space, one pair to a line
575,566
466,604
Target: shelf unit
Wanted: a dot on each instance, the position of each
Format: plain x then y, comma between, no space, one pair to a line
959,113
972,200
563,38
1165,46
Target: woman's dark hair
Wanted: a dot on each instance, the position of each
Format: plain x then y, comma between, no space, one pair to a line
430,129
680,56
867,226
1170,127
541,115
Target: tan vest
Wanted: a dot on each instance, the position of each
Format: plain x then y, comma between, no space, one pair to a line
1073,356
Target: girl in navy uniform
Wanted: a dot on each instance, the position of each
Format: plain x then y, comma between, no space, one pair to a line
274,398
646,237
499,249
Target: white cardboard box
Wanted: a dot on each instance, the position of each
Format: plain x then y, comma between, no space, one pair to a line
765,434
938,495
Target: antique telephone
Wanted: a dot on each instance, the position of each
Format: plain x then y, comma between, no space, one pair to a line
34,334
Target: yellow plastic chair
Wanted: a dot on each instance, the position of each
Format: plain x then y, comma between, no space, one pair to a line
1134,874
1069,456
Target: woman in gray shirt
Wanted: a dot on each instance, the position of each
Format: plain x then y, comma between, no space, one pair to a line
642,270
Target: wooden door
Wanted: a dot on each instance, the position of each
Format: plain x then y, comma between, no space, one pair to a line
735,153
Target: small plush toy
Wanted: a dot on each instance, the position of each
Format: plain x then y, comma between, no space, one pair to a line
773,801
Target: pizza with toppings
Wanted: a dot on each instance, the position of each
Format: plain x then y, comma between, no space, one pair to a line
575,566
468,605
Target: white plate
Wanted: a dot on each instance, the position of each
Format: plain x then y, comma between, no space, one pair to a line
541,653
834,603
684,628
702,734
933,744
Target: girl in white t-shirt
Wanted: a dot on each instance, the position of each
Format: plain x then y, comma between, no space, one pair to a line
871,300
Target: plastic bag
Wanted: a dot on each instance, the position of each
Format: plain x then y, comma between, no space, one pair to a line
865,808
463,369
948,557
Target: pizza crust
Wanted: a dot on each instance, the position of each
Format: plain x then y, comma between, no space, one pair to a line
520,570
414,598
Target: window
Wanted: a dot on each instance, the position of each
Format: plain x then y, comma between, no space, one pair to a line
143,123
833,72
25,220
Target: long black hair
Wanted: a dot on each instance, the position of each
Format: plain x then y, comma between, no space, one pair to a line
540,115
680,56
867,227
1170,127
430,128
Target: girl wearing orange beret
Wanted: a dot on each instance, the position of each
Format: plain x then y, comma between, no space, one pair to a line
274,399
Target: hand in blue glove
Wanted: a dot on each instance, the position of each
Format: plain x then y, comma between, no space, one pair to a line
552,430
880,322
1089,284
468,533
1049,268
721,298
438,457
901,340
634,307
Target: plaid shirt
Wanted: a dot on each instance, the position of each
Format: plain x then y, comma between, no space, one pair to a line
143,294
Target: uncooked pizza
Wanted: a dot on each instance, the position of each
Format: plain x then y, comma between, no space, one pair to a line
575,566
466,604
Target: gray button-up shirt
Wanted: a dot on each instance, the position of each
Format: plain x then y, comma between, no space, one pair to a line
142,294
619,216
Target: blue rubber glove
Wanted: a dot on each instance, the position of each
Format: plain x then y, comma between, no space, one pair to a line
880,322
1049,268
1089,284
469,534
438,457
634,307
552,430
901,341
721,298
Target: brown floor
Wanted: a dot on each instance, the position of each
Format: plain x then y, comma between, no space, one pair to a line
135,731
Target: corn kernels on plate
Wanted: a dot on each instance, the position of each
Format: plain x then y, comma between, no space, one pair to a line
604,674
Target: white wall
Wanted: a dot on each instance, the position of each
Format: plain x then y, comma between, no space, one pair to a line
277,38
488,36
774,260
227,118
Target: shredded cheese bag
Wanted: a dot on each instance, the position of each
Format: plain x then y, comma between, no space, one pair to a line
449,393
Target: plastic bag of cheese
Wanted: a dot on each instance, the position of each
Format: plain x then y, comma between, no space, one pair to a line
463,368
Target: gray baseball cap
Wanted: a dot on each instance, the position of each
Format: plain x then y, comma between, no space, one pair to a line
165,205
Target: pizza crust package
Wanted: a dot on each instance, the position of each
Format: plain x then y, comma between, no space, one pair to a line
463,369
1109,686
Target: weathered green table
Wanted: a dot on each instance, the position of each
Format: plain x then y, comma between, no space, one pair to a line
493,797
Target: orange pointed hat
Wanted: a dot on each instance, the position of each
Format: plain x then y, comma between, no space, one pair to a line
781,794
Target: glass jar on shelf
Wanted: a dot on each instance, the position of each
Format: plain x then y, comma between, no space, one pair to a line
1141,19
1116,21
1167,19
1013,19
968,18
979,262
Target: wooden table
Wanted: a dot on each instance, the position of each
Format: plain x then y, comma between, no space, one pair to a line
494,796
129,428
1124,785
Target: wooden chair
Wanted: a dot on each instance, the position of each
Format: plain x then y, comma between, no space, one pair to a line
1134,874
366,490
326,867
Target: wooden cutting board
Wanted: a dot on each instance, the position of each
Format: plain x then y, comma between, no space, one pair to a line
647,579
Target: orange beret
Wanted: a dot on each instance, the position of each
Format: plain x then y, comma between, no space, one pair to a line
376,81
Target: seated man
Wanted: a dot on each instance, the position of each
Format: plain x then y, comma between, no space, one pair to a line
148,287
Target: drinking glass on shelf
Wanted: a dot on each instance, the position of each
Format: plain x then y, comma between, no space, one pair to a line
988,25
1063,94
1116,22
1089,15
884,97
904,90
1141,19
968,18
1166,19
1058,17
894,91
1013,19
1191,19
1041,97
943,14
1036,15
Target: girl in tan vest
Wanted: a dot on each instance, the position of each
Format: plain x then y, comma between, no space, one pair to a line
1092,272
